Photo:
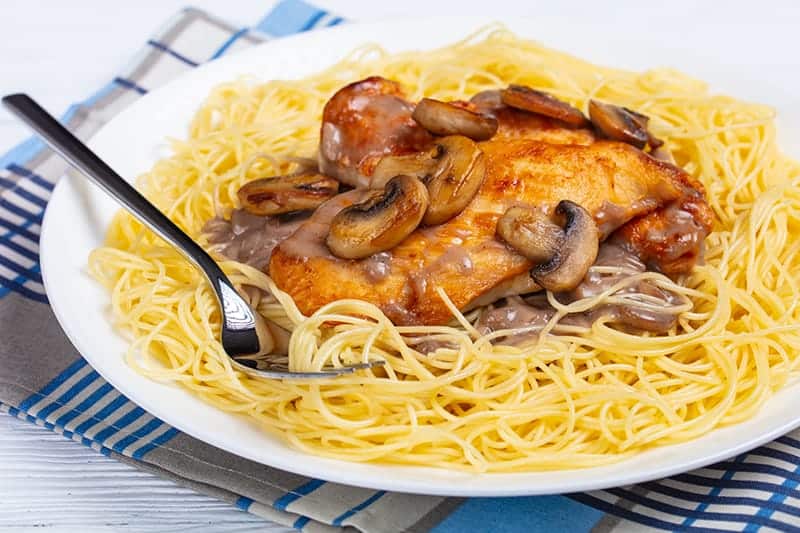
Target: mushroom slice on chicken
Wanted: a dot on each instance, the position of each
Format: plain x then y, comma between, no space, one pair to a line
514,123
442,118
562,253
527,99
284,194
622,124
453,170
456,180
381,221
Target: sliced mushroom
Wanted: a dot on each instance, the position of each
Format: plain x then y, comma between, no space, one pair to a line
283,194
456,180
531,233
420,164
453,170
442,118
644,121
562,253
622,124
381,221
527,99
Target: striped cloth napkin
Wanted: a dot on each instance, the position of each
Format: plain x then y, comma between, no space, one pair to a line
49,384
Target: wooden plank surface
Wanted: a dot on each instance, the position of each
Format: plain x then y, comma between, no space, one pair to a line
49,481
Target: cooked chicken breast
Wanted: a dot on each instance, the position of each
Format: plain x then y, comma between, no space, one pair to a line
361,123
532,161
613,181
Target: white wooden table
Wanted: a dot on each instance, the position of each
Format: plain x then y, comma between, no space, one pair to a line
60,52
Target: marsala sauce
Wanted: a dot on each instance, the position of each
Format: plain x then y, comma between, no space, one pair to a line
250,239
534,310
682,230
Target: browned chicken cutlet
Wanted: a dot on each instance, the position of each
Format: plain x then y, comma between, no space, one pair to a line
531,161
363,122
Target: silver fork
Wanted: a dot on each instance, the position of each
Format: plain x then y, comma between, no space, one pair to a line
243,330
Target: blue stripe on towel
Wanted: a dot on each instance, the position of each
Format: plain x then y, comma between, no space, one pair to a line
35,178
597,503
678,512
290,17
766,451
137,435
56,382
155,443
301,522
22,152
101,415
21,250
124,421
128,84
227,44
68,395
17,285
20,211
89,401
776,500
361,506
6,183
283,502
510,515
21,230
716,498
723,483
31,273
32,198
244,503
312,22
166,49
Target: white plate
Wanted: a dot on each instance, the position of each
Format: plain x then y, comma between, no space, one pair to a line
78,214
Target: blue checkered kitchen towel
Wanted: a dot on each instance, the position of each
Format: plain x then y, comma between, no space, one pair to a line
51,385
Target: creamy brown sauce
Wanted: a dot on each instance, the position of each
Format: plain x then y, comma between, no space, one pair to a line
681,230
609,217
455,258
377,266
630,316
534,311
249,238
428,345
309,239
514,313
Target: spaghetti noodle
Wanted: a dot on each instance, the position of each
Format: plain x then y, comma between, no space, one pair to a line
582,397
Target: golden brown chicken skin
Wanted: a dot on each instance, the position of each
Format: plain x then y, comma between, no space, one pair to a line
531,161
670,239
613,181
361,123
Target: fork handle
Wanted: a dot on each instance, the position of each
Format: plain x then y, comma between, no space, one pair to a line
239,324
82,158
